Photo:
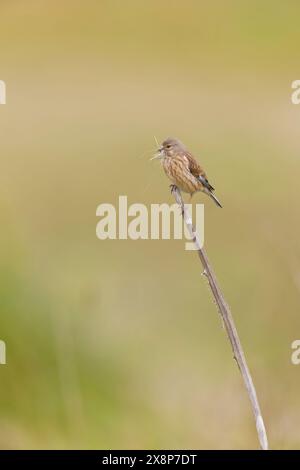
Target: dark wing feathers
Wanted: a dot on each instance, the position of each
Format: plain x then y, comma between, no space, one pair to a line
205,183
197,171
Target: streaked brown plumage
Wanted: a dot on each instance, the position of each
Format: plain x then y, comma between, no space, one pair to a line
183,170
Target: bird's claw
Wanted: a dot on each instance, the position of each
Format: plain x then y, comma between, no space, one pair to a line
173,188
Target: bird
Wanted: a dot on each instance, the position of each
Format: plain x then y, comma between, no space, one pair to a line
183,169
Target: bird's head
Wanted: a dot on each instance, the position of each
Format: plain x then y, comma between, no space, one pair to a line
169,148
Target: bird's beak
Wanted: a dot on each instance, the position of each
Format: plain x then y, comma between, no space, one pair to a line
158,155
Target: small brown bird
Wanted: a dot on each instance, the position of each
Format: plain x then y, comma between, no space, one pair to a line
183,170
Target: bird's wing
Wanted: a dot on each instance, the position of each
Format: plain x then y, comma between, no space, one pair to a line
198,172
205,182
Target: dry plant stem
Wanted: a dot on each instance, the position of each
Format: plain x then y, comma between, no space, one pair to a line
228,322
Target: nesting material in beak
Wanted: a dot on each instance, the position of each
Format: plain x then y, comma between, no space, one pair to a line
158,155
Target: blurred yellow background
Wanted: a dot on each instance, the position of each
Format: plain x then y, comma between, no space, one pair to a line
118,344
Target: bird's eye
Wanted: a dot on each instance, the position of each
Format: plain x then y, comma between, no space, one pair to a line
168,146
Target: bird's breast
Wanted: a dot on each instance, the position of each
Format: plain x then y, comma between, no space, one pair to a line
177,170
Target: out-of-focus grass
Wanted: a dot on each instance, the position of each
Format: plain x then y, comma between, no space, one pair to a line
117,344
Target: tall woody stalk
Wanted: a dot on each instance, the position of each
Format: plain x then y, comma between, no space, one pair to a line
228,321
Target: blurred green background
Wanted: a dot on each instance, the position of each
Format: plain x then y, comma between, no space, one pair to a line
118,344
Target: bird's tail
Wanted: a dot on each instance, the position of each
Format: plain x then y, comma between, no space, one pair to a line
214,198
